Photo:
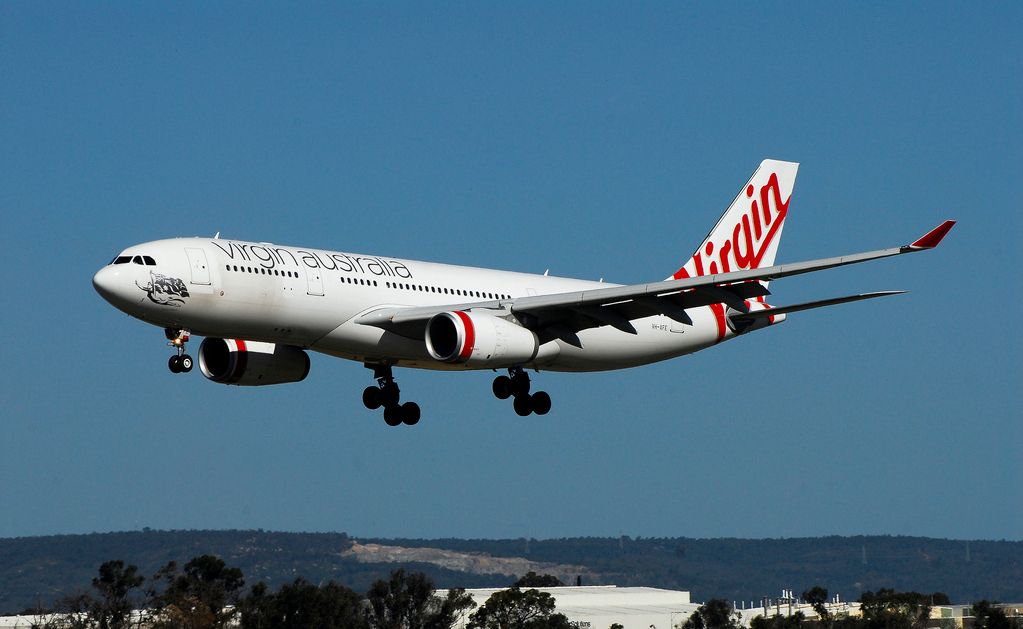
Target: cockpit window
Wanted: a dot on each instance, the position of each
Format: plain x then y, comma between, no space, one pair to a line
137,260
121,260
149,260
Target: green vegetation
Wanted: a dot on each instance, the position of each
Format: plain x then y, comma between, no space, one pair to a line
885,609
987,616
37,571
534,580
407,601
207,594
714,614
516,608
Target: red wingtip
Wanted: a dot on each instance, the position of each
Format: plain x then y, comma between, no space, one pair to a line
931,239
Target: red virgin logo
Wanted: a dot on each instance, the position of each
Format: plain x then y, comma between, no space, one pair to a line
749,239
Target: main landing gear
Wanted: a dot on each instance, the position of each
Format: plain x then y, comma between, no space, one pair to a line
180,362
516,384
386,394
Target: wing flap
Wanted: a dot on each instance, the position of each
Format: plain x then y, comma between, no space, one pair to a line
809,305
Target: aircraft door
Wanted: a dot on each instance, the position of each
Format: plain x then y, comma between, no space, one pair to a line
314,281
197,262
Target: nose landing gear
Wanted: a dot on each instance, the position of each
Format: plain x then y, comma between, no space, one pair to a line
516,384
180,362
387,394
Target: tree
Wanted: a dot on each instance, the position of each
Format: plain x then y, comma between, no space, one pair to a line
110,608
71,612
714,614
534,580
987,616
778,621
817,597
888,609
515,608
301,605
940,598
203,597
115,584
409,601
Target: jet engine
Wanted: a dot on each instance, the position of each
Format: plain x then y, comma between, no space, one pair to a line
479,340
251,363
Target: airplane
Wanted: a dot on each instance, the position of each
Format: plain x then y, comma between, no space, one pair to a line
261,306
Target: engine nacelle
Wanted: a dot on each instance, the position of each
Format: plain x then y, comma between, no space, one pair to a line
479,340
251,363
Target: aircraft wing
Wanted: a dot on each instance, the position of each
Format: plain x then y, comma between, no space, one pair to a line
562,315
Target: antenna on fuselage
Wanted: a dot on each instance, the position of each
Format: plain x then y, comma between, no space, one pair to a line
216,236
546,272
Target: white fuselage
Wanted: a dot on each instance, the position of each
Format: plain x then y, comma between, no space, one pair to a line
310,298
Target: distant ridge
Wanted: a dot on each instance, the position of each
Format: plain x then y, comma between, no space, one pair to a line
42,569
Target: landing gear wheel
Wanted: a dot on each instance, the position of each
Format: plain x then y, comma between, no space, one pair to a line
386,394
520,384
392,415
541,403
502,387
372,398
390,394
523,405
410,413
180,362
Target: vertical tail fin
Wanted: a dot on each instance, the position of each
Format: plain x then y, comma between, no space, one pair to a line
747,234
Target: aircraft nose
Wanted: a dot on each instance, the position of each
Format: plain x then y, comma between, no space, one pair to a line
107,283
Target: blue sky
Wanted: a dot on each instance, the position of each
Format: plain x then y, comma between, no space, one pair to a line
594,139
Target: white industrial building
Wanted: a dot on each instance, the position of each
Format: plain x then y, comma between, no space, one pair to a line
598,607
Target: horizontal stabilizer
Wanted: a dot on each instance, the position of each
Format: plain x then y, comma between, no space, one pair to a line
770,312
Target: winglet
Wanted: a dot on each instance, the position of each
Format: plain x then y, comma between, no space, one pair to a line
931,239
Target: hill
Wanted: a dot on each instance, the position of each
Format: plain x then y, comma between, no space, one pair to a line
36,570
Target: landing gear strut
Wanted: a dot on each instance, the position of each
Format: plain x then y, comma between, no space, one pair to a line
179,362
386,394
516,384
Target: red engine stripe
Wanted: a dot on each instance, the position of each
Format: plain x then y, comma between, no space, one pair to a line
470,336
241,361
